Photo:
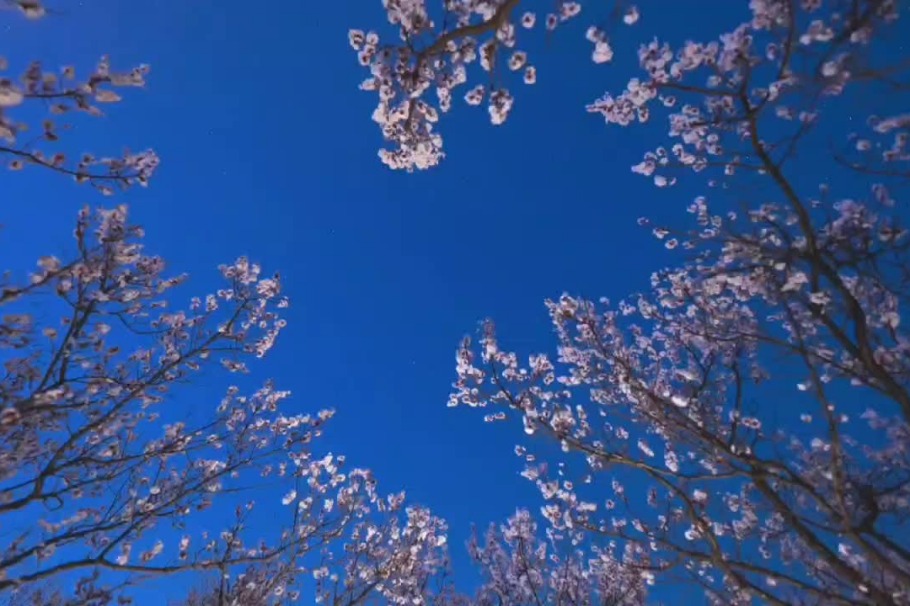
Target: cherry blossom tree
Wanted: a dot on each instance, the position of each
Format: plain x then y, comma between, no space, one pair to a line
106,481
114,471
395,555
59,94
522,568
98,467
102,476
744,424
402,559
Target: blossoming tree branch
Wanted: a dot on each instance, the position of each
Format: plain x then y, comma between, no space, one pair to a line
113,477
111,474
60,93
743,425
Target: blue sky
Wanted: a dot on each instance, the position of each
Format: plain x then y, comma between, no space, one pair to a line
268,150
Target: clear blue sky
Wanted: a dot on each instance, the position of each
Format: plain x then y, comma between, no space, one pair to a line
268,150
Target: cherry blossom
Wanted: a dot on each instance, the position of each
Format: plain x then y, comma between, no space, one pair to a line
439,47
113,471
743,422
437,50
104,470
63,94
520,567
87,408
389,554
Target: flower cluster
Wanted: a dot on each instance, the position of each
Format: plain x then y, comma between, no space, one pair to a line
522,568
479,32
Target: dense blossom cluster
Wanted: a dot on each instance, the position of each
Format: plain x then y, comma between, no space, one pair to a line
394,557
482,32
520,567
